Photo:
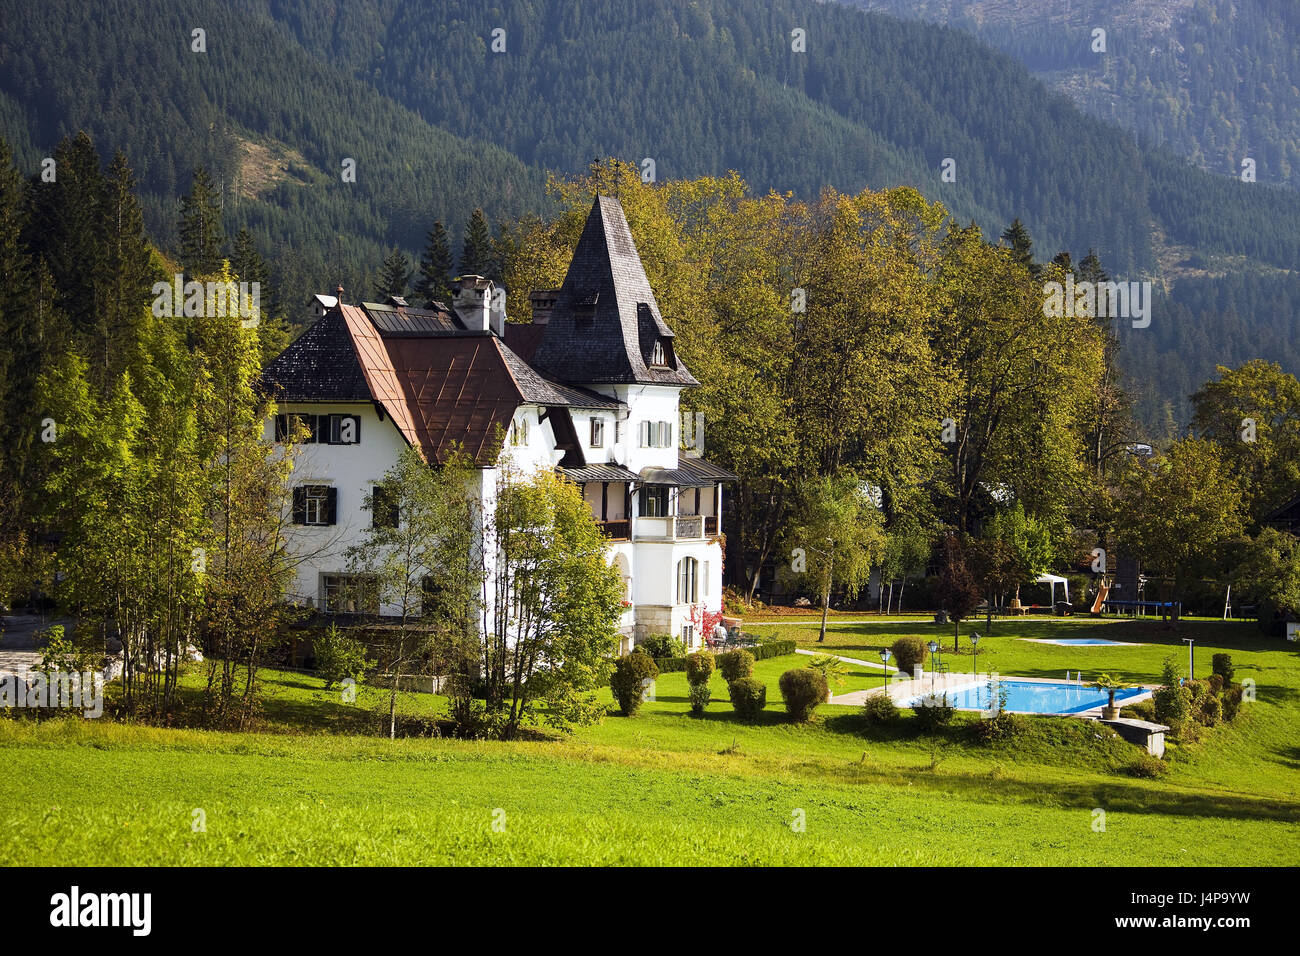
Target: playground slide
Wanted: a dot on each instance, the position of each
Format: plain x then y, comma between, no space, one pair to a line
1102,591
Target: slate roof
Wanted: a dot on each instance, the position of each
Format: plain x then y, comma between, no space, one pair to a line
320,366
605,320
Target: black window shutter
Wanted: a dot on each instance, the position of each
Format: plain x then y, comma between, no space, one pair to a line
313,424
281,427
331,505
300,505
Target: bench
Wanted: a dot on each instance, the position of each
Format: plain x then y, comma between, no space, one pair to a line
1141,732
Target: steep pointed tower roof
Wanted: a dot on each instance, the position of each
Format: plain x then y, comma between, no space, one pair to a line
605,327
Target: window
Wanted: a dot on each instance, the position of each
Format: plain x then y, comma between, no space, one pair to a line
343,429
519,431
688,635
350,594
654,502
597,433
429,594
687,575
315,504
383,507
656,434
657,354
321,429
284,424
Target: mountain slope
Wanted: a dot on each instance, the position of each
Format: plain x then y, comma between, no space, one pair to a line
1214,80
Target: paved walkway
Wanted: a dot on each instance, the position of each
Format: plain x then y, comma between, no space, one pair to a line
18,641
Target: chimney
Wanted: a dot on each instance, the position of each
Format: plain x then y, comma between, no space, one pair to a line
543,301
473,302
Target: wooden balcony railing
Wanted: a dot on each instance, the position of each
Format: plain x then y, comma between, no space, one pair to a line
620,530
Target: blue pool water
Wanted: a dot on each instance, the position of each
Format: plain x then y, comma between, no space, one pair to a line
1085,640
1032,697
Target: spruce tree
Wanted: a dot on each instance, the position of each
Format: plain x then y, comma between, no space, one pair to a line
478,252
1017,237
394,275
63,229
200,227
434,284
1090,269
127,274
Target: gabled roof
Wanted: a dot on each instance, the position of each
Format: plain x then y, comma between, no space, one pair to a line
605,321
442,386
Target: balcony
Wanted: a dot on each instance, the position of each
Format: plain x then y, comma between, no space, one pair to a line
620,530
674,528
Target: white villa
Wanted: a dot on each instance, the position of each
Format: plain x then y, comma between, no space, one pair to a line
590,388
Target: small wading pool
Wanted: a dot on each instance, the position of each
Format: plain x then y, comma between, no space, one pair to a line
1079,642
1033,697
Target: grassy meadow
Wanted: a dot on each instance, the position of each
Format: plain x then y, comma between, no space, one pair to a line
315,785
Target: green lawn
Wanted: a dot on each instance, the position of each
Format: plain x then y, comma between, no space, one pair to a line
667,788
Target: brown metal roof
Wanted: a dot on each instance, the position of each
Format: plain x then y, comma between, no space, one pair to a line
611,472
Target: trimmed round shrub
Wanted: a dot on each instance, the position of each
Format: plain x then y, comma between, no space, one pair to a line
699,696
662,645
1001,726
699,667
909,652
1231,703
1221,664
1148,766
748,696
1216,683
934,711
802,689
735,664
1208,710
880,709
628,681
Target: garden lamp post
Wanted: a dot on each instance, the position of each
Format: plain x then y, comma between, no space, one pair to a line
934,646
975,648
884,659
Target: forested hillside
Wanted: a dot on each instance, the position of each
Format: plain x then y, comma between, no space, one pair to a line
1214,80
439,124
270,122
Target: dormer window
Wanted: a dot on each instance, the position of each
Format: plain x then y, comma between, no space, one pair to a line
657,358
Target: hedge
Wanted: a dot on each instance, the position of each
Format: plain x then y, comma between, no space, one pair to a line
761,652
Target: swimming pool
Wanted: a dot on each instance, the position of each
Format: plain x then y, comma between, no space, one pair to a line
1079,642
1034,697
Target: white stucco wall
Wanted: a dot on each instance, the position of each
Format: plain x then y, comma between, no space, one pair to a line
651,565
